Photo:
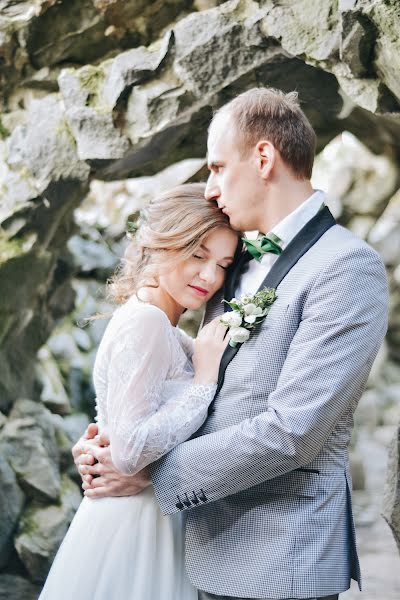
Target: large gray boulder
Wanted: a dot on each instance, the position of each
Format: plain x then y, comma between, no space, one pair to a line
41,181
11,503
35,37
42,529
68,430
14,587
29,443
53,393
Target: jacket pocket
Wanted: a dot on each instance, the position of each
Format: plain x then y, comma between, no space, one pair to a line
304,470
298,483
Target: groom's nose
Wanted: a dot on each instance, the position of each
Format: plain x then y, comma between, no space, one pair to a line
212,191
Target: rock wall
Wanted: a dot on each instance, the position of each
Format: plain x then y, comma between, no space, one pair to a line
115,89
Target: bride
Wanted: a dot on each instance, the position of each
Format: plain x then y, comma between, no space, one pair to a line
153,388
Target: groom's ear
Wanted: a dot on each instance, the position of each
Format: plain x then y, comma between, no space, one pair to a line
266,157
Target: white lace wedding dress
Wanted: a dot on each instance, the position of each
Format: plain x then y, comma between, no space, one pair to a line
124,548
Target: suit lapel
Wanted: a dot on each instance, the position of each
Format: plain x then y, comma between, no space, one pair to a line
231,282
301,243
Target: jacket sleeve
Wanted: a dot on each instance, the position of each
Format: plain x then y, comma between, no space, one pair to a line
343,324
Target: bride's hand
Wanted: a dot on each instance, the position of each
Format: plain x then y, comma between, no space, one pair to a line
209,347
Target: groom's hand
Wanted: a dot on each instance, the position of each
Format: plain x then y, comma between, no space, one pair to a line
100,478
79,451
107,480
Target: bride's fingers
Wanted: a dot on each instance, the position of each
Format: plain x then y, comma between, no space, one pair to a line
85,459
204,331
220,331
95,469
225,340
216,324
209,330
102,455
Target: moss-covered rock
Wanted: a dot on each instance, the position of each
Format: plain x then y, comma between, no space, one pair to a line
36,38
42,529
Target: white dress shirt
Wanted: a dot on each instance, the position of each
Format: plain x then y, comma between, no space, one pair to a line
286,230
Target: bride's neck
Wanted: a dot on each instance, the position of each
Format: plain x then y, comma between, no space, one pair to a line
163,300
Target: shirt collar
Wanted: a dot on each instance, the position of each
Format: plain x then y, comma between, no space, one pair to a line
290,226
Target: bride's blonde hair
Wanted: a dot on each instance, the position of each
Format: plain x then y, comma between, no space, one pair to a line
172,227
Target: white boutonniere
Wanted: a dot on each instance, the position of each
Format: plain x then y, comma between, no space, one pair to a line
247,313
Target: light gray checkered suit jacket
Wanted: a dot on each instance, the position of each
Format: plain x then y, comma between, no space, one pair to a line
265,483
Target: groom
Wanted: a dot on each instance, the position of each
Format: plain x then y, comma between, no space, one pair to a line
266,483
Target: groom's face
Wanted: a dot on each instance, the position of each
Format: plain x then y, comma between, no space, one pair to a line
234,180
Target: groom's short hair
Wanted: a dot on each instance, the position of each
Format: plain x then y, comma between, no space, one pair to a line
268,113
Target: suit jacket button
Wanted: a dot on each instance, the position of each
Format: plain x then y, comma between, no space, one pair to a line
202,496
195,499
187,501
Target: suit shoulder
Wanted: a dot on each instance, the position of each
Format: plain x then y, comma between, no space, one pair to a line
344,242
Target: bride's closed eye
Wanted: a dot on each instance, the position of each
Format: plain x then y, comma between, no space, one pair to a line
224,267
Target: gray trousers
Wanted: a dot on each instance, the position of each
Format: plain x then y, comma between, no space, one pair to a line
207,596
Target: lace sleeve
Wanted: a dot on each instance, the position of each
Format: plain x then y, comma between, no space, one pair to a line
148,415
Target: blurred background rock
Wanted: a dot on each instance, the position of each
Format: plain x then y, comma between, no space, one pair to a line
105,103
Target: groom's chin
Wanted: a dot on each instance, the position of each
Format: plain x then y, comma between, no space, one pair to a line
233,223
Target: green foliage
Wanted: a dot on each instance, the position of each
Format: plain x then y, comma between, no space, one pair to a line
4,133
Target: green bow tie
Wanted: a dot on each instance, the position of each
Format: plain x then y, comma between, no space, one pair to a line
262,245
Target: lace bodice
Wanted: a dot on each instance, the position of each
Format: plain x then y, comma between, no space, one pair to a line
143,379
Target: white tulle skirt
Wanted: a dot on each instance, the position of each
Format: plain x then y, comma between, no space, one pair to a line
122,548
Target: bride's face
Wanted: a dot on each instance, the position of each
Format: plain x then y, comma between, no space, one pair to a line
195,280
